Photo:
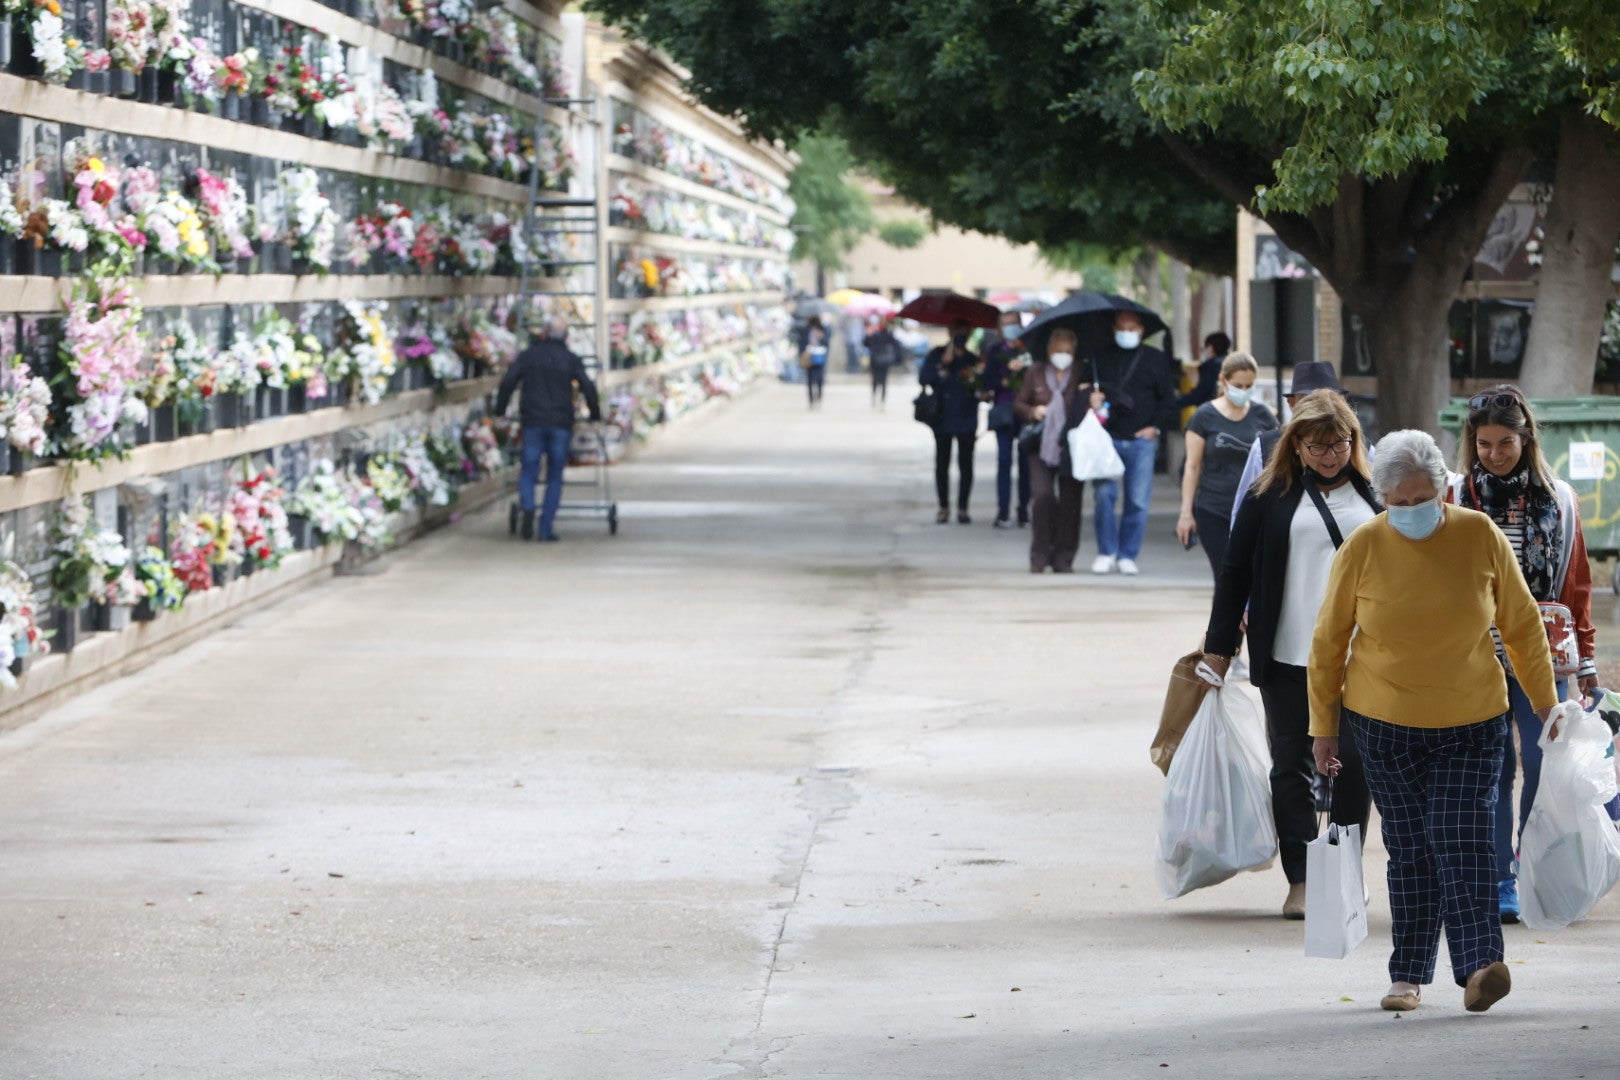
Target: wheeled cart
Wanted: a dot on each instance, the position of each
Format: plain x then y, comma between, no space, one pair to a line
589,451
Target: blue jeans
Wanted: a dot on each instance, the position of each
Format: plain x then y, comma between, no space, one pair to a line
1006,451
551,443
1529,725
1120,534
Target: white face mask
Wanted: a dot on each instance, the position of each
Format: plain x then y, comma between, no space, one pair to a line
1238,396
1062,360
1127,339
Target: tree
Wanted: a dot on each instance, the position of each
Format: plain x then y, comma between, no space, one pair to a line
1388,189
831,212
944,100
903,233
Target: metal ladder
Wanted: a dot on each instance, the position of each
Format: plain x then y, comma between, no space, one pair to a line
568,227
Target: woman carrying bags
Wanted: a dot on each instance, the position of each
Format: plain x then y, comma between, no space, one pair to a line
1505,475
1054,396
1219,436
1314,492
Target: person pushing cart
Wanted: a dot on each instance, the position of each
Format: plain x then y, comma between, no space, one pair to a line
545,374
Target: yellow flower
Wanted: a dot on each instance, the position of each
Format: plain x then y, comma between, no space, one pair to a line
96,166
649,271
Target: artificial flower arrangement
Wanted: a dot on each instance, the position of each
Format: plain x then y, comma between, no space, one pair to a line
54,47
363,355
322,498
448,453
88,558
100,356
131,36
20,634
223,203
25,406
113,236
256,506
484,446
427,483
390,482
193,546
311,225
159,581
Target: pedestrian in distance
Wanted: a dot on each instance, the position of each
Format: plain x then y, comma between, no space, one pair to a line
1216,348
1057,396
1504,474
1219,437
545,376
952,372
813,347
854,332
1139,384
886,352
1272,581
1425,702
1006,364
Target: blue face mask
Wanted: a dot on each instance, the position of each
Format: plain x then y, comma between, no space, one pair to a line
1238,396
1127,339
1416,522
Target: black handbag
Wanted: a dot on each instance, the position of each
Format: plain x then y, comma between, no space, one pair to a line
926,408
1001,417
1030,436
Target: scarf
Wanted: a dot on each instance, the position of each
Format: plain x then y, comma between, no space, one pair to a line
1517,500
1057,421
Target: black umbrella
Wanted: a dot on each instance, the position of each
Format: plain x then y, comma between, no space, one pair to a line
1091,316
812,306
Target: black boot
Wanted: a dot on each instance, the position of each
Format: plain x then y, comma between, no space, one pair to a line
526,530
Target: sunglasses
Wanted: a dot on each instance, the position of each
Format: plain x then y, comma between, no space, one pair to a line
1481,402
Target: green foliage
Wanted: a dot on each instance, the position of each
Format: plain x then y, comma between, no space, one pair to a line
983,112
833,212
1336,88
1588,39
903,233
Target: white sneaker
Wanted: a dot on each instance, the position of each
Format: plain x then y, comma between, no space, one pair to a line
1102,564
1128,567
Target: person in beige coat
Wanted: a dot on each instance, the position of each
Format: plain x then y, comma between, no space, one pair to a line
1055,395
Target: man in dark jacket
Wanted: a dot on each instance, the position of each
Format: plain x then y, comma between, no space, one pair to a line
546,373
1139,388
1216,346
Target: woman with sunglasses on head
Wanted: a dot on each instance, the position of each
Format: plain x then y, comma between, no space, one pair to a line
1314,492
1505,475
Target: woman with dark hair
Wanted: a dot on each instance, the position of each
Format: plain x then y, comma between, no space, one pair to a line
1505,475
952,372
1315,492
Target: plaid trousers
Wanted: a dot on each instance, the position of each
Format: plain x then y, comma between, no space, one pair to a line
1436,790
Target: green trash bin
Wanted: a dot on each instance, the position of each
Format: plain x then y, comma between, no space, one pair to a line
1581,438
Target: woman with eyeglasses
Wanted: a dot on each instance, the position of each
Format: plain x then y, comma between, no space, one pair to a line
1505,475
1218,439
1314,492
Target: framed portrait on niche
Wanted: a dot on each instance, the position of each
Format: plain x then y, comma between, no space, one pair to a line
1501,331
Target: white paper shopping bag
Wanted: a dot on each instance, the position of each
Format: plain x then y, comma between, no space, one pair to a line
1335,899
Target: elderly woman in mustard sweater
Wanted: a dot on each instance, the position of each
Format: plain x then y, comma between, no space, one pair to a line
1419,588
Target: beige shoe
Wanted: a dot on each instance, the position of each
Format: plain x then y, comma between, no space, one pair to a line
1294,906
1486,987
1405,1001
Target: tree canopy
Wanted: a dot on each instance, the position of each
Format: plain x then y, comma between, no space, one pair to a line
832,211
964,108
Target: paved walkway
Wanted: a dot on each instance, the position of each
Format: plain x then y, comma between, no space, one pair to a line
785,781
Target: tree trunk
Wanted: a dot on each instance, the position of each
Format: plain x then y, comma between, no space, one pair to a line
1180,310
1211,310
1583,225
1409,339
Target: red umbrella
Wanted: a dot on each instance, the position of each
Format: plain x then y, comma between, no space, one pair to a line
942,309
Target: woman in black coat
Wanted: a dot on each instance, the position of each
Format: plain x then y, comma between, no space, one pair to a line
952,372
1313,493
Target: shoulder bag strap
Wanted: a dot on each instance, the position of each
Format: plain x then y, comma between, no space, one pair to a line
1327,515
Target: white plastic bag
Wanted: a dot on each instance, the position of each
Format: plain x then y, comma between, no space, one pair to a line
1335,898
1569,851
1091,451
1216,818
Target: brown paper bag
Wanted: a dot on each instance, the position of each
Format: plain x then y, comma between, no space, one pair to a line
1181,703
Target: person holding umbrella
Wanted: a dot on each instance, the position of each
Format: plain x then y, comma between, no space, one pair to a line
952,372
1140,391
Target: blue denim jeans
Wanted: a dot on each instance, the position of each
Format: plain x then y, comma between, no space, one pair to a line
1529,725
1120,534
1006,453
551,443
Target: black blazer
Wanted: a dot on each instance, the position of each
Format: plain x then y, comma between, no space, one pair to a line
1252,576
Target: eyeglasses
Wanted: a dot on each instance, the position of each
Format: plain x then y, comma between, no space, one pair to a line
1322,449
1481,402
